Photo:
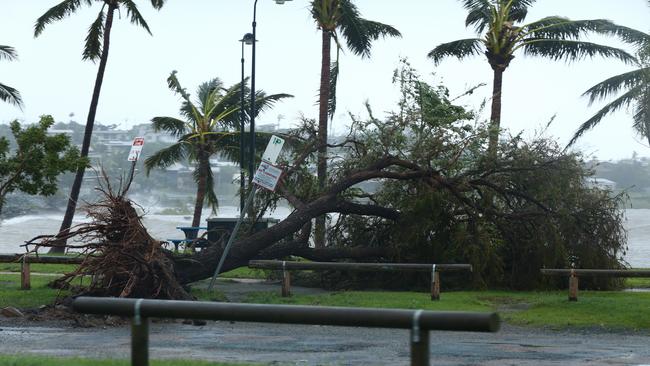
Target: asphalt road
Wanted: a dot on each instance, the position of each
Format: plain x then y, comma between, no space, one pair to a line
323,345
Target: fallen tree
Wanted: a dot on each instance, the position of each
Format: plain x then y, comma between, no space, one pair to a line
437,200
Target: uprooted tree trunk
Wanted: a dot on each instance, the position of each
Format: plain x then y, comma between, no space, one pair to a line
121,259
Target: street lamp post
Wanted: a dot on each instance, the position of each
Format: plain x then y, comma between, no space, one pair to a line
251,162
247,39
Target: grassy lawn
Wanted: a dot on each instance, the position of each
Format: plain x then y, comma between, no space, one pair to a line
245,272
39,267
613,310
55,361
637,282
12,295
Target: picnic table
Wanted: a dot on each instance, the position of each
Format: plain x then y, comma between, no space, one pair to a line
191,235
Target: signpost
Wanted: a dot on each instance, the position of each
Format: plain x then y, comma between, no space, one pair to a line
134,154
267,176
136,148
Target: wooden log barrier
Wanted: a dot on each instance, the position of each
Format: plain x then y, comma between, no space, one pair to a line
287,266
26,260
575,273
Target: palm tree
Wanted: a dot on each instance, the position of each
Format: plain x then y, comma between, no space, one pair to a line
211,126
554,37
96,48
334,18
636,87
7,93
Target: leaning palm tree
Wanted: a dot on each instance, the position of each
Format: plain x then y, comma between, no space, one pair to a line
96,48
554,37
7,93
634,86
335,18
211,126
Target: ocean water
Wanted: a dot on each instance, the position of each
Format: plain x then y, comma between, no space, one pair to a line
15,231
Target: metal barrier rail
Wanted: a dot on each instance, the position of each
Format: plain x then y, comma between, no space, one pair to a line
25,260
286,266
574,273
420,322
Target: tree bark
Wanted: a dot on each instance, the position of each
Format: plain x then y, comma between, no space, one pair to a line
202,185
319,228
85,146
495,116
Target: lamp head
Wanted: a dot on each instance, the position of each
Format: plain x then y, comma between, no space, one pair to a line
247,39
281,1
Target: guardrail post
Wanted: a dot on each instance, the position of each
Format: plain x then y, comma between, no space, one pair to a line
435,284
286,281
25,280
139,338
419,342
573,286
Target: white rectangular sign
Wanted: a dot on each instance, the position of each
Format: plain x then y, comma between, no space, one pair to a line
273,149
267,176
136,148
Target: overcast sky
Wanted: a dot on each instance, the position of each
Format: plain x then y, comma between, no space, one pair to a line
199,38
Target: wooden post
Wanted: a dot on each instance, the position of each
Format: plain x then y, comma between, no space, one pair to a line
25,280
573,286
435,284
286,281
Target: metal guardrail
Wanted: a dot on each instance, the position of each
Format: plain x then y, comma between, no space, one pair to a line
286,266
574,273
420,322
26,260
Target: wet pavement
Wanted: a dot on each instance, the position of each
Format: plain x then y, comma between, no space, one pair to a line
324,345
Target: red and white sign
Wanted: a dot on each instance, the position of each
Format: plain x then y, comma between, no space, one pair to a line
267,176
136,148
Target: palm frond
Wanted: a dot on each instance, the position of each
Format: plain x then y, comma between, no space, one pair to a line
358,32
133,12
615,84
10,95
628,35
620,102
460,49
479,14
174,126
206,90
8,53
166,157
93,47
264,102
157,4
57,12
519,10
642,113
571,50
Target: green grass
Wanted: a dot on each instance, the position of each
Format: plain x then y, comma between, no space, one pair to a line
12,295
637,282
39,267
55,361
245,272
612,310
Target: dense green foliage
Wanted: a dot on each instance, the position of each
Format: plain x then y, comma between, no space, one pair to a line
37,160
541,213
